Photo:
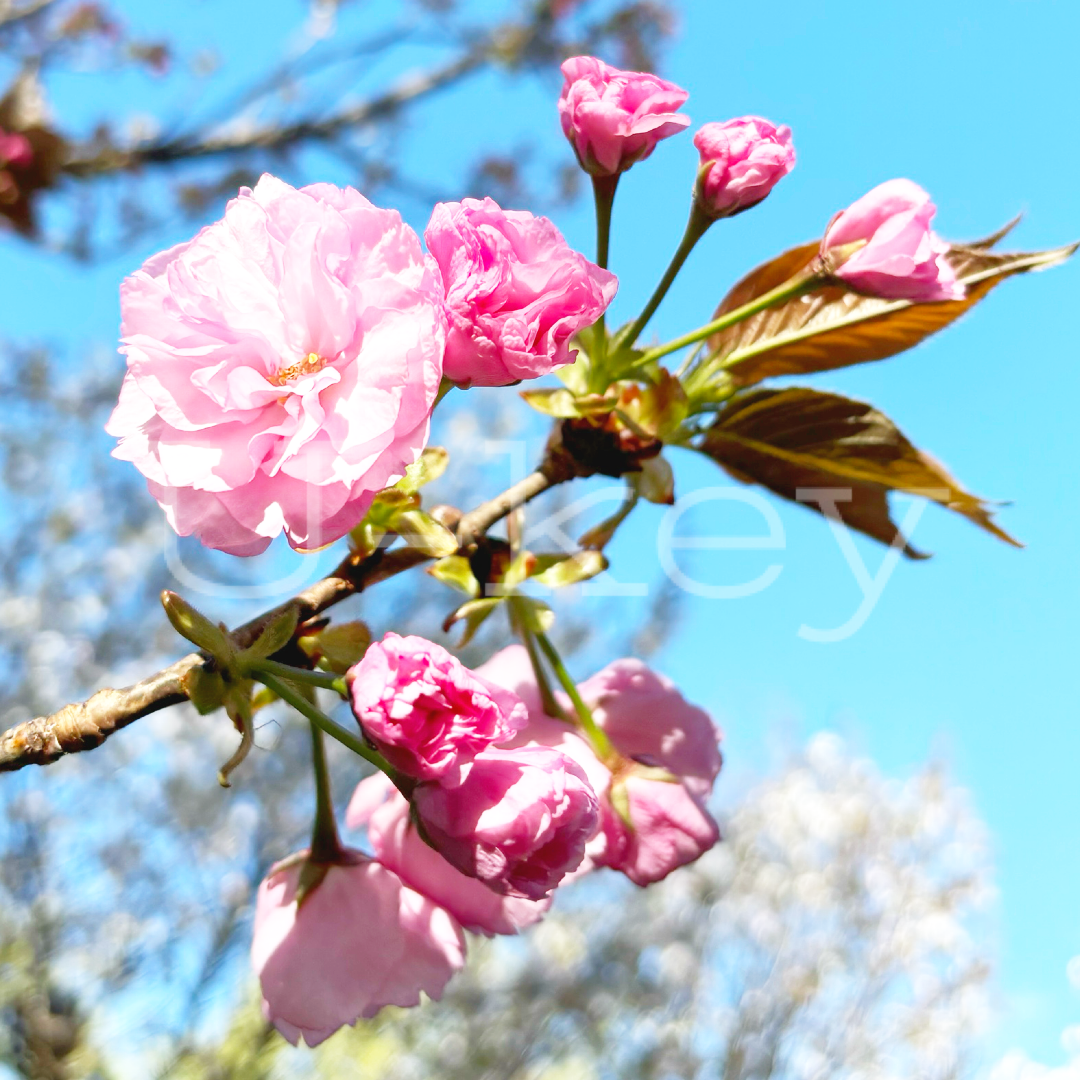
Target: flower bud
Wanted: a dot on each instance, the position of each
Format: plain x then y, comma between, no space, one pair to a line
742,160
882,245
615,118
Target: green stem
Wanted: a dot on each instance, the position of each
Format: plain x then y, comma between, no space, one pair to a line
325,845
604,197
547,696
801,283
326,680
444,388
597,736
305,708
696,227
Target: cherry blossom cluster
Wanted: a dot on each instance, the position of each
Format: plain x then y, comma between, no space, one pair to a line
504,804
282,370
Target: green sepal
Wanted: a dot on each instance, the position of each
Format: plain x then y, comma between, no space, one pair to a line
205,689
474,613
456,572
197,628
274,636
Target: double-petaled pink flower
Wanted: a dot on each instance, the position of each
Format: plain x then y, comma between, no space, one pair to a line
882,245
396,843
359,940
741,162
519,822
282,366
615,118
429,714
516,292
650,823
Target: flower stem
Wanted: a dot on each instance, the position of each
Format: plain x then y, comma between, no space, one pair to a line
604,197
325,845
326,680
311,712
696,227
597,736
803,282
547,697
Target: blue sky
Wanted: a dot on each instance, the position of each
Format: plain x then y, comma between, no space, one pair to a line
966,658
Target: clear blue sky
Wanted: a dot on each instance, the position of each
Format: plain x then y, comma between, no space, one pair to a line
967,657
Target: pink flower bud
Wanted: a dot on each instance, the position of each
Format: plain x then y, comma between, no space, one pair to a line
360,940
398,845
891,250
741,162
519,822
615,118
650,724
15,149
282,366
428,714
516,292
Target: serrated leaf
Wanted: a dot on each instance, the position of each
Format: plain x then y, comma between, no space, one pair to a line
275,635
421,531
429,466
456,572
833,327
190,623
473,613
571,569
787,440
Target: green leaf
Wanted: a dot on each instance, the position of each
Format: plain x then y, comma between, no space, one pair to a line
564,405
421,531
787,440
572,569
474,613
429,466
197,628
275,635
338,646
456,572
833,327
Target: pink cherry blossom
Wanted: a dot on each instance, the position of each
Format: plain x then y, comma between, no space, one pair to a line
360,940
615,118
516,292
428,713
15,149
397,845
652,727
901,257
282,366
744,159
519,822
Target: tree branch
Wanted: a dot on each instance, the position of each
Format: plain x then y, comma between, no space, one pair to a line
87,724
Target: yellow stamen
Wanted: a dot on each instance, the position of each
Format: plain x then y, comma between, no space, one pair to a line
311,363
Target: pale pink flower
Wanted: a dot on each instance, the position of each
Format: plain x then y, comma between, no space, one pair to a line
360,940
426,711
282,366
397,844
741,161
519,822
900,257
516,292
615,118
651,726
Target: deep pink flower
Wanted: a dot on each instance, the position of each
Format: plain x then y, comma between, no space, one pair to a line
426,711
397,844
652,726
615,118
745,159
15,149
516,292
360,940
282,366
519,822
901,257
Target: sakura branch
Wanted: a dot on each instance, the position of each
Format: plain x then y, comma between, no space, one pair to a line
283,367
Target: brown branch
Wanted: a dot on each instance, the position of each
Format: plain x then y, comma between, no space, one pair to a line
87,724
10,13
